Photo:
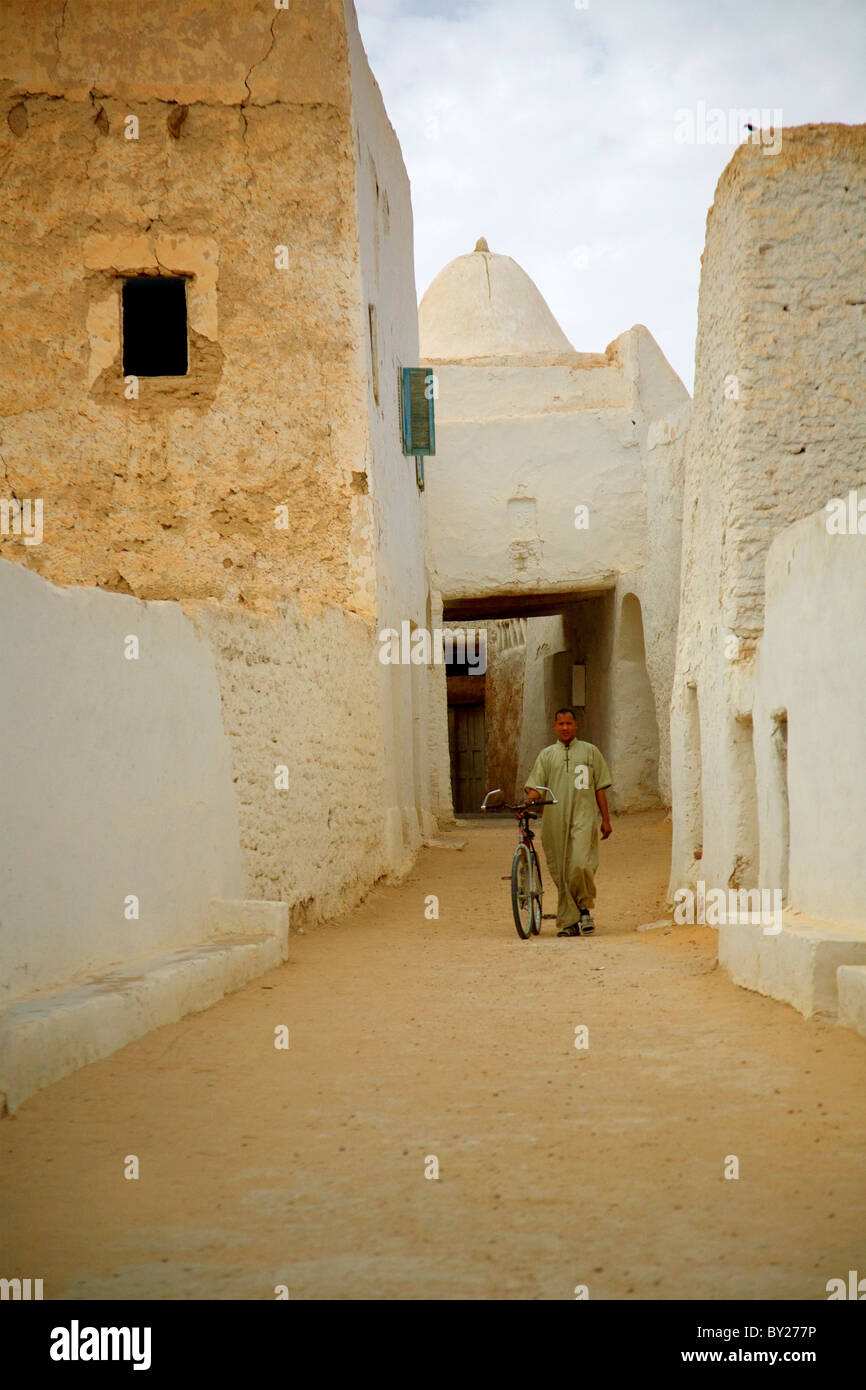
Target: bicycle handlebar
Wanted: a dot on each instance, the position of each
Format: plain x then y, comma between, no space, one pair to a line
522,806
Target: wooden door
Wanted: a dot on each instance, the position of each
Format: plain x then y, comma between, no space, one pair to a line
468,757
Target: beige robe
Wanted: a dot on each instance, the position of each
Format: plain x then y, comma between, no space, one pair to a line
569,830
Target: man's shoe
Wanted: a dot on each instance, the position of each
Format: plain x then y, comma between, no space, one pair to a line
587,925
573,930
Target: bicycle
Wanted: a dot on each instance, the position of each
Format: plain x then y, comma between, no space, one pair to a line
526,884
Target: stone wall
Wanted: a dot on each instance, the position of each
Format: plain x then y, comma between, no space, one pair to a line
778,427
245,143
257,128
300,693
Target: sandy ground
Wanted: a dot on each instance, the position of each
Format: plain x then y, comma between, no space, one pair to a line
411,1038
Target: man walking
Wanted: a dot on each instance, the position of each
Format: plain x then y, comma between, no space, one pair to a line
577,774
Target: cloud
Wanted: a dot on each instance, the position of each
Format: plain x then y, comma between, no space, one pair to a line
549,129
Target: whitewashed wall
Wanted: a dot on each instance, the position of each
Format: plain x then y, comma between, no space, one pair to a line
393,505
812,665
512,463
116,781
777,427
521,443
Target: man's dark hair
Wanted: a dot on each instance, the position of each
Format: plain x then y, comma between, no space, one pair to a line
566,709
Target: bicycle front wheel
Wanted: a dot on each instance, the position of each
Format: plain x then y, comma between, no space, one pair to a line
525,904
536,899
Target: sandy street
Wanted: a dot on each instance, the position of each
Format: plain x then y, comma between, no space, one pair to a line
411,1038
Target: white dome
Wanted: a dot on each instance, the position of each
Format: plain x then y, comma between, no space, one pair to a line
484,305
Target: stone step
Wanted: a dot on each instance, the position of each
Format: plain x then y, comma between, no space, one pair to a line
798,965
47,1036
851,986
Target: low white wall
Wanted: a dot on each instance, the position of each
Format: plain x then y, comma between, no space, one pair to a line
117,781
157,776
812,663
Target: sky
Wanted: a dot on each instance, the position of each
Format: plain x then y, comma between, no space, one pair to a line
575,135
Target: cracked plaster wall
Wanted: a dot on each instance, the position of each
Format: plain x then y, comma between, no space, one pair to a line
172,496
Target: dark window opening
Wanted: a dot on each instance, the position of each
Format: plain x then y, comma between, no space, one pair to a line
154,326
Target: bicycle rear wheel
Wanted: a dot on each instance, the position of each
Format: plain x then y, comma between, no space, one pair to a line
524,902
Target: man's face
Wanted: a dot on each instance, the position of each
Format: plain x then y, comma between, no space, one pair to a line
565,727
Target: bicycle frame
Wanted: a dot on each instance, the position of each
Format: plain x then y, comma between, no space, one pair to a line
524,891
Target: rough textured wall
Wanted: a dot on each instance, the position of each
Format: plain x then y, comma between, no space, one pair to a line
661,408
812,665
122,783
502,705
173,494
782,312
799,310
778,427
256,128
299,692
